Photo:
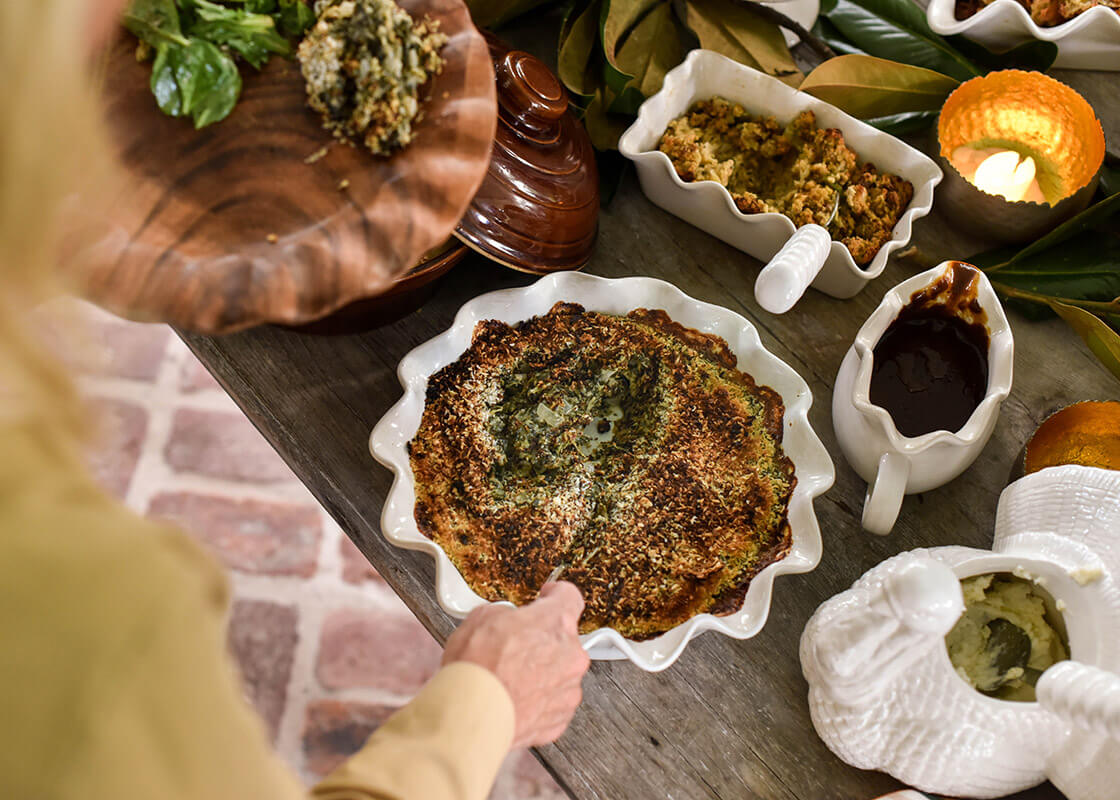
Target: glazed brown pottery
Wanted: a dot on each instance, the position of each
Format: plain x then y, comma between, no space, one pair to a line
538,208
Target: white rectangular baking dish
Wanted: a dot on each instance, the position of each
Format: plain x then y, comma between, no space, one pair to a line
812,466
708,205
1088,41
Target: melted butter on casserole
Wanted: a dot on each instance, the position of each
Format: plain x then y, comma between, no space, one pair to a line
627,449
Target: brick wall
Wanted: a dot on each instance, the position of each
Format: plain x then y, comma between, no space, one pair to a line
326,650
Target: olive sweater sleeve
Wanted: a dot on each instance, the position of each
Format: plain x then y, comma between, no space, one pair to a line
115,682
447,743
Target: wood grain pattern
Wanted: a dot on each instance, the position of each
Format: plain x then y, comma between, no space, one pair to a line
190,235
730,720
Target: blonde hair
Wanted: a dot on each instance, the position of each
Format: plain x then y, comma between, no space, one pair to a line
52,147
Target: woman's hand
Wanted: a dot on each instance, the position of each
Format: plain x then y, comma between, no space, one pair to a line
535,652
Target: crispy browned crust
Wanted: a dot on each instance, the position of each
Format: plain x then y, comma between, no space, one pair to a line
675,522
795,169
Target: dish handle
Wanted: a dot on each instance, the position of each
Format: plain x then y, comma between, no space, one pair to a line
782,281
885,493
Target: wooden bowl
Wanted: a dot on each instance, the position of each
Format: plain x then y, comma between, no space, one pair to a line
404,295
239,224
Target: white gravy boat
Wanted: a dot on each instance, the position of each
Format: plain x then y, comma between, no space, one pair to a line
895,465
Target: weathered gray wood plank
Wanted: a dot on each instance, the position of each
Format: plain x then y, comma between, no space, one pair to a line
730,719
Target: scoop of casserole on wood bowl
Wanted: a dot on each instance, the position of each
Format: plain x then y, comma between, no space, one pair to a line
643,443
264,217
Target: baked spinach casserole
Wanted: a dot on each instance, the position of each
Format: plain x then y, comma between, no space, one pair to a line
627,451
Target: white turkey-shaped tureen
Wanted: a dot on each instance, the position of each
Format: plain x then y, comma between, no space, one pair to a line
884,694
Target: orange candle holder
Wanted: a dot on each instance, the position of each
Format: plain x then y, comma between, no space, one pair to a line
1036,116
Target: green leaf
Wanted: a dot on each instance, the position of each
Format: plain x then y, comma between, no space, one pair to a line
828,33
740,34
874,87
603,127
257,6
1091,217
198,80
155,22
1085,267
617,20
904,124
1101,339
294,17
650,50
163,83
252,36
897,30
579,40
1036,55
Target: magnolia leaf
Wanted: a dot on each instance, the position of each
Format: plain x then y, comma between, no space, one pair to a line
874,87
740,34
1086,267
490,13
828,33
903,124
603,127
619,17
1037,55
1091,217
579,40
1101,339
648,52
897,30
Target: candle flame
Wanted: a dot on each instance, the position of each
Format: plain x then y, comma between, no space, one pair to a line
1004,174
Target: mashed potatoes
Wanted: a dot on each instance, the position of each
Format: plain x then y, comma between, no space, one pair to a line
989,597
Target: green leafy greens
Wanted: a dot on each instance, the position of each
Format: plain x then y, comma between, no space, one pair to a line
195,42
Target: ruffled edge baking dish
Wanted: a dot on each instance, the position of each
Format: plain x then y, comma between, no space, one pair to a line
708,205
1088,41
813,467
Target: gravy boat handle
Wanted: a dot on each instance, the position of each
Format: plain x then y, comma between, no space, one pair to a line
788,274
884,494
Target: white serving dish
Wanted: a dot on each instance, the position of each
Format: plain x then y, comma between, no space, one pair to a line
708,205
893,464
803,12
1088,41
813,467
883,693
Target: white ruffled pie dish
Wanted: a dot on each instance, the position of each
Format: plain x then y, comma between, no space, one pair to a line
708,205
1088,41
812,465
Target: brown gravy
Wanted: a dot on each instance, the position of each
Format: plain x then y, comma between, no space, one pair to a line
930,367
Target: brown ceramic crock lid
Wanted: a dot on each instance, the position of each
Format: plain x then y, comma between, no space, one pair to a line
538,207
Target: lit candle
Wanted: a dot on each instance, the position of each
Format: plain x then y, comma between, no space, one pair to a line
1000,172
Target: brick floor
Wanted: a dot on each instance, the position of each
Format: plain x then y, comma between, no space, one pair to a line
326,650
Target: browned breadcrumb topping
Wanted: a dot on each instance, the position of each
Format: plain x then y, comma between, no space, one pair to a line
628,450
796,170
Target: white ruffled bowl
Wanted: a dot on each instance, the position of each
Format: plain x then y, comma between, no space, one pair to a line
812,465
1088,41
708,205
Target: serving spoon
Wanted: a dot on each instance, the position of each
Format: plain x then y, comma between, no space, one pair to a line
1009,651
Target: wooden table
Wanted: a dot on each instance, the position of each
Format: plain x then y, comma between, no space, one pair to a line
730,720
